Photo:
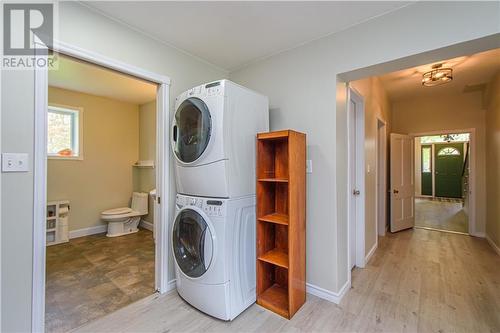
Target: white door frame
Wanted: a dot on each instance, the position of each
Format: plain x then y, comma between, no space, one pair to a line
381,179
359,169
472,172
40,173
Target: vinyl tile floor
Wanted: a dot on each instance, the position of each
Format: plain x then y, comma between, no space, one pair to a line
92,276
441,215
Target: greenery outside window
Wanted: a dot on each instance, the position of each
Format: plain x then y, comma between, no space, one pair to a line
426,159
64,133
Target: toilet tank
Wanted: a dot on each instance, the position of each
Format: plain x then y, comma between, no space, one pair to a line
140,202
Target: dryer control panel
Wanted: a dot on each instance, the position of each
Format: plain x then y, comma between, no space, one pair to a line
205,90
211,207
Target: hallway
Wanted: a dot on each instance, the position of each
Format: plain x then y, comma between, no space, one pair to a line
441,215
417,280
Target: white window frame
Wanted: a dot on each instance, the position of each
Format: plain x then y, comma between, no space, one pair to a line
79,139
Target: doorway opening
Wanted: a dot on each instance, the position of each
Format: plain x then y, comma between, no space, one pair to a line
99,151
427,130
442,179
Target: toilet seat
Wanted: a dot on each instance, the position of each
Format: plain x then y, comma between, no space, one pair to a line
109,217
117,211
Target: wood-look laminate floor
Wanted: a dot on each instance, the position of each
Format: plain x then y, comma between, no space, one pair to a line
417,281
92,276
441,215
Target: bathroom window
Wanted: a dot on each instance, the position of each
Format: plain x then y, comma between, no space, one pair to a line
64,134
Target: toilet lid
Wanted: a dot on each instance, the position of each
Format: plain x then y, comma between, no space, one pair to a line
117,211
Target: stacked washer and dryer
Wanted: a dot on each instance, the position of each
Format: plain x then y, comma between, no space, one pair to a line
213,235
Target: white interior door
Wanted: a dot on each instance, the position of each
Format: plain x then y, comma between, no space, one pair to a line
356,167
353,183
402,182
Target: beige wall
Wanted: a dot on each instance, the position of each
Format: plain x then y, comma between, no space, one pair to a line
449,112
493,161
103,179
145,178
377,106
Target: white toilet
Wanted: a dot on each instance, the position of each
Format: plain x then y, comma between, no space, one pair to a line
124,221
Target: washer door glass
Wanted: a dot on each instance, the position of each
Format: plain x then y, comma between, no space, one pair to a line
192,129
192,242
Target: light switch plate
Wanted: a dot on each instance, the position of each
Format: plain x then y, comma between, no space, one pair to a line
309,166
15,162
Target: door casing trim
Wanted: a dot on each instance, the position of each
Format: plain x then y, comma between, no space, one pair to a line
40,172
358,149
472,172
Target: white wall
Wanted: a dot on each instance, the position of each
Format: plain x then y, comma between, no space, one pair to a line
449,112
83,28
17,203
302,87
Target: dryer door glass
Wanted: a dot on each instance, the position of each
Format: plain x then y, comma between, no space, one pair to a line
193,245
192,131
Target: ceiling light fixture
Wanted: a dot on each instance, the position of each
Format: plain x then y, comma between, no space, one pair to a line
438,75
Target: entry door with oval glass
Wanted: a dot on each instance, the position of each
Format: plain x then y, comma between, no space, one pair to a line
193,243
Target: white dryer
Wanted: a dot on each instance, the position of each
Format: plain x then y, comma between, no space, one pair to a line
213,242
213,139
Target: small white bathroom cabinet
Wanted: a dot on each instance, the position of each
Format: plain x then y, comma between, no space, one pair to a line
57,222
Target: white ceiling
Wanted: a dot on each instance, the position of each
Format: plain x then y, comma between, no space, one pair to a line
470,73
91,79
231,35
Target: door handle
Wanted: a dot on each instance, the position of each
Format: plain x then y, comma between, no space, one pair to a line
174,134
356,192
395,191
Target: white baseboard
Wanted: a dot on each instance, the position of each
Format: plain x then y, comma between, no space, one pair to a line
88,231
147,225
370,254
493,245
327,294
478,234
171,286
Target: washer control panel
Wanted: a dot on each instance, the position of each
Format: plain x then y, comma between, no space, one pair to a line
214,208
211,207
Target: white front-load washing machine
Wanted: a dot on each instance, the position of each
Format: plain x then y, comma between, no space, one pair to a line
213,139
213,242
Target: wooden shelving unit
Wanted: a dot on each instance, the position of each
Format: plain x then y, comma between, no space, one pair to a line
281,221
